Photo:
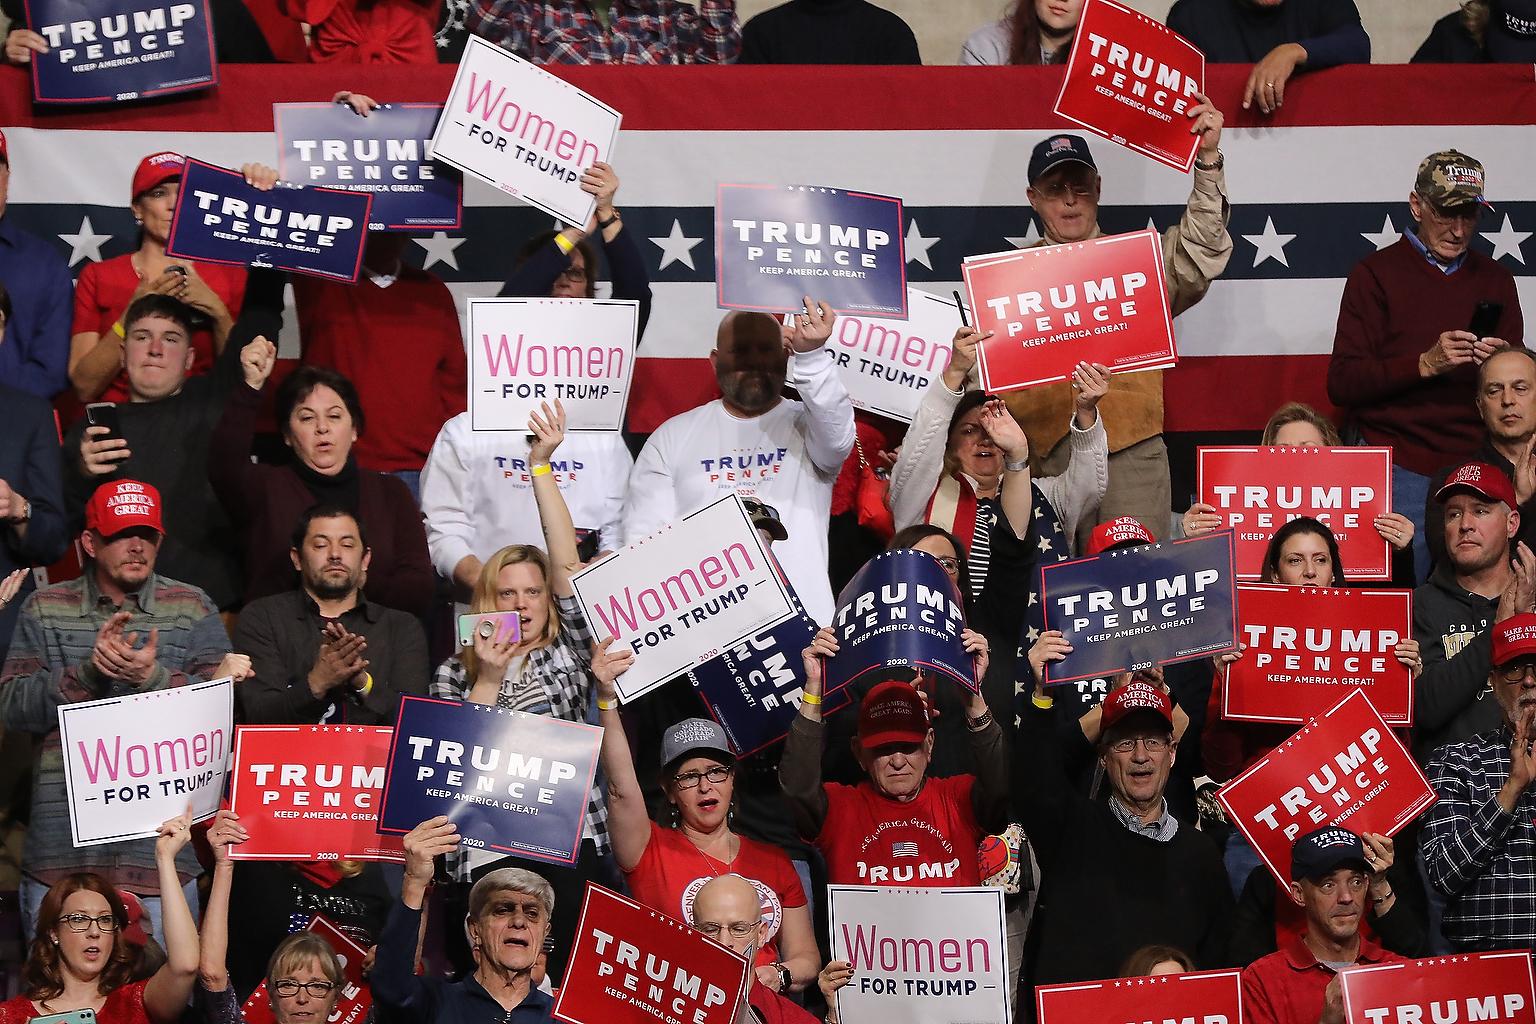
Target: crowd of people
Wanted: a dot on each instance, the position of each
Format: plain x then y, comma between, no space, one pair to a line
312,533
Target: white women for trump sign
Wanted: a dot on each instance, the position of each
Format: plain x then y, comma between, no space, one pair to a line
132,762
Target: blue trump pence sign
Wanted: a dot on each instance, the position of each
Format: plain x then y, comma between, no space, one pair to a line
776,244
222,219
383,154
900,611
1138,607
513,782
113,51
753,688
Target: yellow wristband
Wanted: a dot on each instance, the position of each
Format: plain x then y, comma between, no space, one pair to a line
812,699
367,685
540,469
606,705
1043,703
565,244
117,329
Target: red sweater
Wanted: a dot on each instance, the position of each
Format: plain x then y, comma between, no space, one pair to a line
1395,306
402,348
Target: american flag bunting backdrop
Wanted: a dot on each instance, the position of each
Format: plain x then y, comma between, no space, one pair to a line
1314,189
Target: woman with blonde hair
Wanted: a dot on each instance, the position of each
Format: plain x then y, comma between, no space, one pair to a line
546,670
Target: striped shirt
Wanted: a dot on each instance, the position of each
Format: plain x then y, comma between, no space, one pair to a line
1481,858
562,669
49,664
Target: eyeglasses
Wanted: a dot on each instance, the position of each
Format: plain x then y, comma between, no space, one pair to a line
1469,213
317,989
738,929
1151,744
82,922
950,565
574,274
716,775
1517,670
1059,190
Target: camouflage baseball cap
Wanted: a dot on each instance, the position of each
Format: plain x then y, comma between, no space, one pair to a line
1451,178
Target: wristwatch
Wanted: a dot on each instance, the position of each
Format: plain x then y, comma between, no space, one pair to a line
784,978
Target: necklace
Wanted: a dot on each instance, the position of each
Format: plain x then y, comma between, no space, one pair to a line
712,861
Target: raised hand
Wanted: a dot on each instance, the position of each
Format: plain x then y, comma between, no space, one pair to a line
548,431
607,666
812,326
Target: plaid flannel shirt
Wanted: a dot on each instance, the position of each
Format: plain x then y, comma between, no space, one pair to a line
1481,858
638,31
49,664
562,668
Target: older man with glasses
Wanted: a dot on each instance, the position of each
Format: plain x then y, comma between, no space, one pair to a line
1125,861
1476,839
727,910
1064,190
1417,320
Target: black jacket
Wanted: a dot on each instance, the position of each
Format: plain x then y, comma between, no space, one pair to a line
29,465
1105,890
1452,699
281,634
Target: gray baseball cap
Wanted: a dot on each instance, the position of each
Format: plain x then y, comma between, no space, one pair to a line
693,735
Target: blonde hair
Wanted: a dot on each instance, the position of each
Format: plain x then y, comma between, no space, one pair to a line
297,951
1298,412
484,597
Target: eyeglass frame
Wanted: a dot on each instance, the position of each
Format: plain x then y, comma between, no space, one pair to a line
70,920
1151,744
1526,666
326,988
725,771
712,929
1058,190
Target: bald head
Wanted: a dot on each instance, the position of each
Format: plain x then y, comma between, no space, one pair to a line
740,326
750,360
725,906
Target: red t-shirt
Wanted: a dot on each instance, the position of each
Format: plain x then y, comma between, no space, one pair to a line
870,839
124,1005
102,294
672,871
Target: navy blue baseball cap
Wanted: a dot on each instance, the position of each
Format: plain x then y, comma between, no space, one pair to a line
1058,150
1324,851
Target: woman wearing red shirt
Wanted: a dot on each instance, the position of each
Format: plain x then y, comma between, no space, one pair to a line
666,867
80,958
106,290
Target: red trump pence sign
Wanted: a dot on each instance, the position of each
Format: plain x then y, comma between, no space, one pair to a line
1492,987
1257,490
632,963
311,792
1343,768
1133,80
1053,306
1309,646
1209,997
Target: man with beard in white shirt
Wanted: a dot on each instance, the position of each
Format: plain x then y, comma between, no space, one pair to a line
755,442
